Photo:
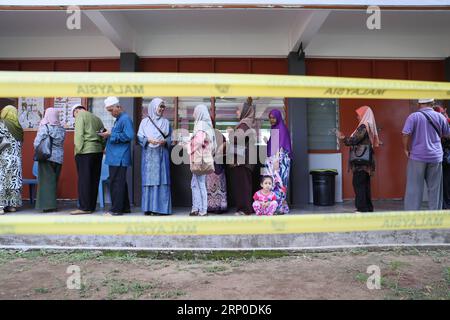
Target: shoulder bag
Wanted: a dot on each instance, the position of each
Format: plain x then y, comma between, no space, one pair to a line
361,154
202,161
432,123
446,157
157,128
44,149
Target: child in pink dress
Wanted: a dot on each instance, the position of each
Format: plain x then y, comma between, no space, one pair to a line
265,201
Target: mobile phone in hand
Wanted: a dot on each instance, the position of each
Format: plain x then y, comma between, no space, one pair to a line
102,130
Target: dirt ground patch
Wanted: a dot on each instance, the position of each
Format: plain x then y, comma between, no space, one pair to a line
405,274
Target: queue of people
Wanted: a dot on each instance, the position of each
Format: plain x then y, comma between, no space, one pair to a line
426,143
207,149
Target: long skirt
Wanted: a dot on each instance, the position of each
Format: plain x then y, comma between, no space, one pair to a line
157,199
242,188
216,184
280,178
48,175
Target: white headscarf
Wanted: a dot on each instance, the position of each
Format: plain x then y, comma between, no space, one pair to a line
203,123
147,129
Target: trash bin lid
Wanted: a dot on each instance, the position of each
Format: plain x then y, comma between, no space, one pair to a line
332,172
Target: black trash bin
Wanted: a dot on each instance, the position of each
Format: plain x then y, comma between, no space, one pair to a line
323,186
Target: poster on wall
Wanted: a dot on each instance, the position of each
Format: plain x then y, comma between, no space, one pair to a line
31,111
65,104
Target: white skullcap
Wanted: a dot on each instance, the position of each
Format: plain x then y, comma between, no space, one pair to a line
110,101
422,101
76,107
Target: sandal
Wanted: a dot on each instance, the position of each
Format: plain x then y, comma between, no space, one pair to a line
111,214
193,213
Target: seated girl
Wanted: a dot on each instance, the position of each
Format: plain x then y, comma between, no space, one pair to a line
265,201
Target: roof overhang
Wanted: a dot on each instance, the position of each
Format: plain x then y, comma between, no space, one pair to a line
234,4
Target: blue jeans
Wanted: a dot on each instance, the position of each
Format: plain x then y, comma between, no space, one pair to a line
199,194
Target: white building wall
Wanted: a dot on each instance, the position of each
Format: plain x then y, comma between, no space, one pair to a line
231,45
380,46
214,45
57,47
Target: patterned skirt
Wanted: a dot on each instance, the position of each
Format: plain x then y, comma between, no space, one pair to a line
216,185
281,178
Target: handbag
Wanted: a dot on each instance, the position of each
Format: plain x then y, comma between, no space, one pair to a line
361,154
44,149
202,161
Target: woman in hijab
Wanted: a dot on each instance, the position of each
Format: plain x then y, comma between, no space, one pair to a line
365,134
49,170
203,143
11,138
216,182
154,136
278,160
243,141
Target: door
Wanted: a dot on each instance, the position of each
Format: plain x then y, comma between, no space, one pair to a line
389,179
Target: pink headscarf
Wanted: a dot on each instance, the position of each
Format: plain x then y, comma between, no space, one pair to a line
51,117
368,119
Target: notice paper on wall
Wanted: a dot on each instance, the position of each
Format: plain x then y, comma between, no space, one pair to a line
31,111
64,105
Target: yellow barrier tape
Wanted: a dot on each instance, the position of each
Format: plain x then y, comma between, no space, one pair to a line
157,226
123,84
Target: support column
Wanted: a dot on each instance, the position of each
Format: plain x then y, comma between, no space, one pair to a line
447,78
447,69
129,62
298,127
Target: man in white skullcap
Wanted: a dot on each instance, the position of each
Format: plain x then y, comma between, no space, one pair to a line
88,157
118,156
422,135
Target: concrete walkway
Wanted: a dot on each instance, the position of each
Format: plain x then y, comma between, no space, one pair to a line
64,207
303,241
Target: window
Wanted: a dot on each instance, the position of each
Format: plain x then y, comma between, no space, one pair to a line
186,106
263,107
226,114
322,118
97,107
169,113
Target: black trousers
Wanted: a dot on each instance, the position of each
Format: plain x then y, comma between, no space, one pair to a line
242,188
89,167
119,190
446,193
361,185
